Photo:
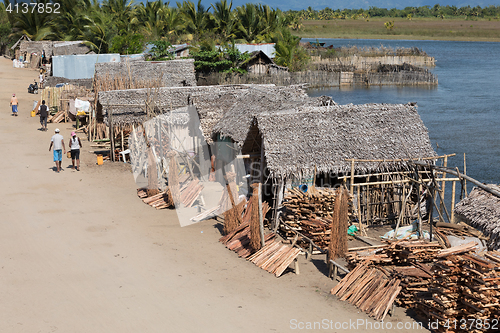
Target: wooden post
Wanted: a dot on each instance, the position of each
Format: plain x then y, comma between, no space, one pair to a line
352,177
367,201
418,211
453,189
465,181
121,132
261,217
111,135
262,160
443,185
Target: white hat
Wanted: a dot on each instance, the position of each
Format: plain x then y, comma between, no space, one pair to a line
56,130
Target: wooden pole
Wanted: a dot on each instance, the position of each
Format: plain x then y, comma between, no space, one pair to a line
453,189
443,184
465,181
261,218
111,136
352,177
367,202
261,160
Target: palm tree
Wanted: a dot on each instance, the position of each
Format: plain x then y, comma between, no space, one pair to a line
37,26
249,23
195,18
224,20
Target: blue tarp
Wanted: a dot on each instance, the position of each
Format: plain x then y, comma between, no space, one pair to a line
80,66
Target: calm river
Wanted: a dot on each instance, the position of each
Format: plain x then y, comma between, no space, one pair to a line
462,113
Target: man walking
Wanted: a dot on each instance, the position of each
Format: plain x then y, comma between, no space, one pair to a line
43,110
75,145
58,142
14,104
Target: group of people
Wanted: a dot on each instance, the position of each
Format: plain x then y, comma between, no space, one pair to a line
57,142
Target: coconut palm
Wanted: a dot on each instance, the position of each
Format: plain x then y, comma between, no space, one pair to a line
194,18
224,20
249,23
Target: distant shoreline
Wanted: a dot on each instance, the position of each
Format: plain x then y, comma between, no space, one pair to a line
415,29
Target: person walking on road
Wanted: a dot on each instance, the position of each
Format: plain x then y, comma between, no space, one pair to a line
43,110
58,142
75,145
14,103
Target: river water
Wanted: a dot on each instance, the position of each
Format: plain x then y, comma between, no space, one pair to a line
462,113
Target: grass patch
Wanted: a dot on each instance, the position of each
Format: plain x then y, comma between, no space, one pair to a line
418,28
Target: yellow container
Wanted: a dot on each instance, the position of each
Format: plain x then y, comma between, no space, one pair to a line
33,113
100,161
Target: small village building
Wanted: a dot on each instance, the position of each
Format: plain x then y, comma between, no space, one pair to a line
259,63
358,145
481,210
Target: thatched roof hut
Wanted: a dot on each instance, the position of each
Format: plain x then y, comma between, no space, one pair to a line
482,211
300,139
129,106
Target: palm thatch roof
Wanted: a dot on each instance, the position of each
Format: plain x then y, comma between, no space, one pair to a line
482,211
298,140
129,106
236,121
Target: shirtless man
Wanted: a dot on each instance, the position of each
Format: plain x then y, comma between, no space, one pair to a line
14,103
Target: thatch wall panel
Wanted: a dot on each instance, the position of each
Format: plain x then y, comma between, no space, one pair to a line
172,73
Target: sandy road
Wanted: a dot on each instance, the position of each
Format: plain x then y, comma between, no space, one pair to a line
79,252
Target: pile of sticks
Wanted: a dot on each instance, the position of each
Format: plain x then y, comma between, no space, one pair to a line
159,201
465,287
275,257
57,118
370,289
400,252
310,214
190,191
239,240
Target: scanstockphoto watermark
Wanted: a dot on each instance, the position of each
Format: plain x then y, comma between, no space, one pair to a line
354,325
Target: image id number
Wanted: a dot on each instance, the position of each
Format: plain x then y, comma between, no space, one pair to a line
41,8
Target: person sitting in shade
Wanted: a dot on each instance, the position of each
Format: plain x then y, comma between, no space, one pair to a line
58,142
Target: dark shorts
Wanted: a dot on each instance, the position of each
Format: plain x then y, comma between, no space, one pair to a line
43,121
75,154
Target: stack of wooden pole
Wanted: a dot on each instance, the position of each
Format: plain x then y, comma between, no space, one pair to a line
370,289
275,257
231,208
159,201
310,214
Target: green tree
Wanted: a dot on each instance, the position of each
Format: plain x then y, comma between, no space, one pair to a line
195,18
288,52
224,20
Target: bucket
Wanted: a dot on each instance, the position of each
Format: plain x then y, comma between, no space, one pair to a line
303,188
100,161
68,154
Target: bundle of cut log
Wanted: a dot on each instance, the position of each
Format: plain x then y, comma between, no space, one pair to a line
275,257
370,289
400,252
310,214
57,118
239,239
465,288
190,191
159,201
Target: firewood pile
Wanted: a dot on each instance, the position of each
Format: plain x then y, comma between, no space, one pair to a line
465,288
274,257
57,118
445,284
370,289
159,201
190,190
310,214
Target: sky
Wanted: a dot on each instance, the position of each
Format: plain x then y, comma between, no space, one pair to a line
356,4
